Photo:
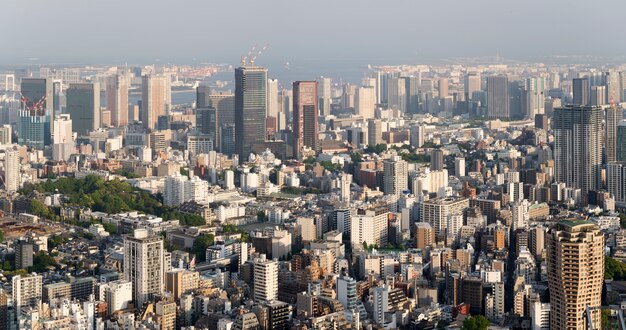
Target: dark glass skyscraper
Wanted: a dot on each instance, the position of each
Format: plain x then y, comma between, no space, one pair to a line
36,111
83,105
580,91
250,108
498,97
304,116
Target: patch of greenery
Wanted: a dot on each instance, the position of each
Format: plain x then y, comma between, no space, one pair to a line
614,269
377,149
476,322
200,245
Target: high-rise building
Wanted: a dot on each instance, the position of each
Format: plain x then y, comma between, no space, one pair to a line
346,292
272,98
436,160
616,182
83,105
580,91
416,137
224,103
12,165
156,99
620,146
304,116
324,95
578,147
598,95
413,93
23,254
374,132
442,87
613,117
265,279
207,122
144,265
365,102
250,108
395,176
27,291
472,84
6,134
396,92
117,99
498,97
436,211
381,304
575,273
63,143
614,88
117,294
203,94
459,167
424,235
36,112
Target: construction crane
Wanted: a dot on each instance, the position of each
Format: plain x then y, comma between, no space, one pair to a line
252,56
258,54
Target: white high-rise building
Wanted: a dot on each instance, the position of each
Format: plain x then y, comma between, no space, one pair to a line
229,180
540,314
346,292
27,291
397,93
144,265
180,189
436,211
118,294
64,142
117,99
381,304
370,227
459,167
324,95
616,182
416,137
272,98
395,176
265,279
365,102
12,170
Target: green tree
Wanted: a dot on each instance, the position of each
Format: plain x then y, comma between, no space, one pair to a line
476,322
622,220
109,228
356,157
614,269
1,236
40,209
260,216
41,262
200,245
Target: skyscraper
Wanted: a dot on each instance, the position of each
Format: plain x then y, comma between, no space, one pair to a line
144,265
265,279
155,99
117,99
471,85
83,105
11,170
613,117
304,116
63,143
203,94
616,182
580,91
598,95
620,151
498,97
272,98
413,93
206,122
36,112
365,102
575,273
442,87
436,160
250,108
396,94
324,94
578,147
395,176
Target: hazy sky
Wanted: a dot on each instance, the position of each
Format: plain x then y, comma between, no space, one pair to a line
305,31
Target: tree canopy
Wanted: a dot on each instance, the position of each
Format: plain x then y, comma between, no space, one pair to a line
200,245
614,269
476,322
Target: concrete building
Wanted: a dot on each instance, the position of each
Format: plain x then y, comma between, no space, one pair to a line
34,125
365,102
395,176
12,177
156,99
27,291
305,111
498,97
144,265
181,281
117,99
265,279
83,105
250,108
437,211
575,273
616,182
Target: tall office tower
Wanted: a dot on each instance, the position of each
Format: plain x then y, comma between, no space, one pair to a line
598,95
203,94
206,123
620,149
413,93
377,76
498,97
396,93
365,102
416,138
578,147
228,139
575,273
250,108
34,125
346,292
272,98
541,121
156,94
304,116
27,291
63,143
265,279
374,132
144,265
535,97
580,91
224,103
471,85
324,94
614,89
381,304
395,176
610,139
117,99
12,170
83,105
348,96
459,167
436,160
442,87
616,182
